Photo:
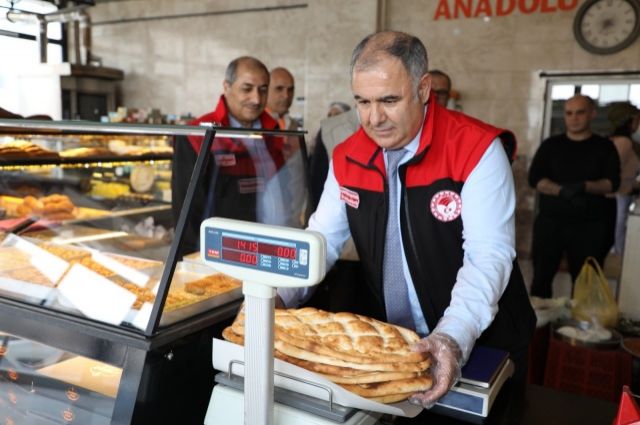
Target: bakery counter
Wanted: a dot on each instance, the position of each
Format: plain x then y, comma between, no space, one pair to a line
535,405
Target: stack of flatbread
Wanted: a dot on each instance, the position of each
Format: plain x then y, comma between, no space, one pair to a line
365,356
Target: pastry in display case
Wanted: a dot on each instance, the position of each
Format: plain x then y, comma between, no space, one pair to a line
92,267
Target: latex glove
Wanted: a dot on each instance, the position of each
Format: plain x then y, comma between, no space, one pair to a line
446,363
570,190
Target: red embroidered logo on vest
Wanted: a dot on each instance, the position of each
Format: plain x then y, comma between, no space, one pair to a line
446,205
226,160
350,197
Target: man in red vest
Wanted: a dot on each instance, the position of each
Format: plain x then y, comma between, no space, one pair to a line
428,196
239,169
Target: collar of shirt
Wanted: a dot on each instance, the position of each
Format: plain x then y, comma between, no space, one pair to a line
412,146
235,123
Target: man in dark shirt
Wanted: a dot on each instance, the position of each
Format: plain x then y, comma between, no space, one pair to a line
572,172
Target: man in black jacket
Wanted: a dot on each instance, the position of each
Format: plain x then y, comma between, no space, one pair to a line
571,173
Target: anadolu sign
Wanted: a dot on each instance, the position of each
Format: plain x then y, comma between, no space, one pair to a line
455,9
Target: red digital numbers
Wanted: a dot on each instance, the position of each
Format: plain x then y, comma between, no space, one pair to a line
240,257
245,251
277,251
240,244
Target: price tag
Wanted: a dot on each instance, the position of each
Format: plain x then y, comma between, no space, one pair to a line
142,318
53,267
96,296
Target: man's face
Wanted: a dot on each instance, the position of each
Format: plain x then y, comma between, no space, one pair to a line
280,92
391,113
441,88
247,96
578,115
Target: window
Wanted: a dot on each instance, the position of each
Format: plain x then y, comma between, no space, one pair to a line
603,89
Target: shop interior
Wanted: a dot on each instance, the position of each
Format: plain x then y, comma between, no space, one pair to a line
117,307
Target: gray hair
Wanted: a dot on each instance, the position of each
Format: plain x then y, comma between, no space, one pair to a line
340,105
405,47
231,72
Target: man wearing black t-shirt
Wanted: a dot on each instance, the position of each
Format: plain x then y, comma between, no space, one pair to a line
572,172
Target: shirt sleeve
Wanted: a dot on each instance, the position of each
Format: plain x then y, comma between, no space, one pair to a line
488,211
612,167
329,219
538,169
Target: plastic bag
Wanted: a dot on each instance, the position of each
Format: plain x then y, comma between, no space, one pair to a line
592,296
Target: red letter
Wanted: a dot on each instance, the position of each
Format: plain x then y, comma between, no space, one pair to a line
527,10
501,11
466,8
483,7
546,8
567,4
442,10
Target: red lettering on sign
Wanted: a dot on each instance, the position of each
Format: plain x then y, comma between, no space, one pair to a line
501,10
464,6
522,5
442,10
484,7
546,8
567,4
455,9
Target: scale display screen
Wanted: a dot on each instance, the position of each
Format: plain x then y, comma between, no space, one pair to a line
270,254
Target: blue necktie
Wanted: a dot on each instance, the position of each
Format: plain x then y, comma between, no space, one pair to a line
396,295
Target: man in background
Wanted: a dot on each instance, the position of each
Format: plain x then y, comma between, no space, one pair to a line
572,172
280,98
238,172
441,86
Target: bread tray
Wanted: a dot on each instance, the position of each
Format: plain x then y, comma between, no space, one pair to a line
186,272
607,344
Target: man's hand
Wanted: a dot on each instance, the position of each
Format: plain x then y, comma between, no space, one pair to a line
446,359
571,190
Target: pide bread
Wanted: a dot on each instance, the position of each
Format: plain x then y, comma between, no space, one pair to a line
367,357
378,389
392,398
343,336
311,356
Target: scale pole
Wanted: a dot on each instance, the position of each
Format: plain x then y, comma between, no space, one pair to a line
258,353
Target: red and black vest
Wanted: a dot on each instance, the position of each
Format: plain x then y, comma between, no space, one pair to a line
450,147
230,183
231,154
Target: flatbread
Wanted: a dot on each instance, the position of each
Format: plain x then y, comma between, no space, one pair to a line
343,336
399,386
293,351
351,375
365,356
392,398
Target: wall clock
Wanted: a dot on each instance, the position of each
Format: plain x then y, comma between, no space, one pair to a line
607,26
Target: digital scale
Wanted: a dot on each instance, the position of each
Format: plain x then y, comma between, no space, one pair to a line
265,257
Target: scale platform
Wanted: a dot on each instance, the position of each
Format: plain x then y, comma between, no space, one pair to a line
290,407
471,402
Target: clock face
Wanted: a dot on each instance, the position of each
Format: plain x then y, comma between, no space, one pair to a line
607,26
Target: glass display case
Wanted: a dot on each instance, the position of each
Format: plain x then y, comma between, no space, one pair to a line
106,311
